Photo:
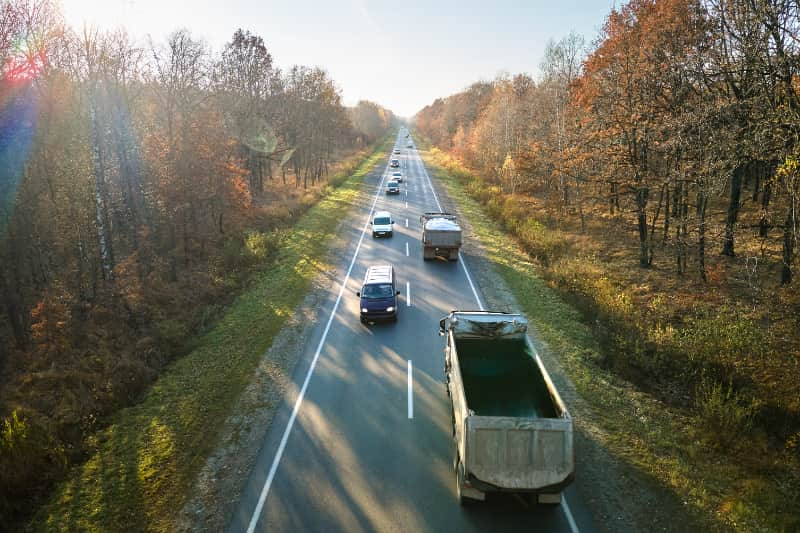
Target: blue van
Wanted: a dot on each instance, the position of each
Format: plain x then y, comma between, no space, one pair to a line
379,294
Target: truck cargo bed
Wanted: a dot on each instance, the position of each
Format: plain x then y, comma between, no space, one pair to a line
501,378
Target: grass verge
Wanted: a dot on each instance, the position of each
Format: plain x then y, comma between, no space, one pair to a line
139,472
664,442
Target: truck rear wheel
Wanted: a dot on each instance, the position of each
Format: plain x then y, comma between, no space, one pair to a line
462,500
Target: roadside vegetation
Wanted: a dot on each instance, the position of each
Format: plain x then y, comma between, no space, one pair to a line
140,468
710,451
144,185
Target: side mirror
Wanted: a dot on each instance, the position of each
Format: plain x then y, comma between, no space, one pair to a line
398,293
358,293
392,222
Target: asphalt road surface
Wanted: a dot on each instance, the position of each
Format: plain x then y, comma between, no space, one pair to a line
363,443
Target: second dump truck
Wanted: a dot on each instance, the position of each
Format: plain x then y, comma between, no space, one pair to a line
511,430
441,236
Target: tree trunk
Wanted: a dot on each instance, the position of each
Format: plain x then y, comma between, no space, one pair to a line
101,207
702,203
14,314
733,207
789,238
651,246
667,208
642,194
766,196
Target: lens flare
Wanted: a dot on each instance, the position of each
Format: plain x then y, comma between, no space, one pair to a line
17,129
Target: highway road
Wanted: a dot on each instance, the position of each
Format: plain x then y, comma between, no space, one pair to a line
363,442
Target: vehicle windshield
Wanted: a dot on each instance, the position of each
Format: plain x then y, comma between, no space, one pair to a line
393,184
377,291
382,221
396,174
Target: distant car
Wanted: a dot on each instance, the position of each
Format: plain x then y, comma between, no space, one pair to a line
394,163
409,145
393,187
397,150
382,224
398,176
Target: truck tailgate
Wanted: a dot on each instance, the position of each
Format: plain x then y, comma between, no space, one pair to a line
519,453
442,238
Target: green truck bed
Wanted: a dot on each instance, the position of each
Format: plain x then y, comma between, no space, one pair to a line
501,378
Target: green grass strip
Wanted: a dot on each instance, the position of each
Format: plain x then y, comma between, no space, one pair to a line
141,472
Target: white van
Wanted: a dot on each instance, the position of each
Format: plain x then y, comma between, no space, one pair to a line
382,224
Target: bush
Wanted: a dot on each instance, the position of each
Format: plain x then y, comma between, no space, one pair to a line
726,415
544,244
259,245
29,460
723,337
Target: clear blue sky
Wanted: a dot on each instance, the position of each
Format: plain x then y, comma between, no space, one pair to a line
402,55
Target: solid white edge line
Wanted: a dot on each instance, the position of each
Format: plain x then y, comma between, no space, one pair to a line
469,279
284,439
408,294
564,504
568,514
410,392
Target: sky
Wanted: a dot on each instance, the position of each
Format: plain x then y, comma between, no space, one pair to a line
402,55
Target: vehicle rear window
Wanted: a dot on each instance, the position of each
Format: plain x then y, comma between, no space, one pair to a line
382,221
377,291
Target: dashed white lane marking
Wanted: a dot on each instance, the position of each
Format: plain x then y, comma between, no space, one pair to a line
410,392
406,249
406,222
408,294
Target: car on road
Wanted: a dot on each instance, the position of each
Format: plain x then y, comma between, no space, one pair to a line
409,145
393,187
397,150
394,163
382,224
397,176
379,294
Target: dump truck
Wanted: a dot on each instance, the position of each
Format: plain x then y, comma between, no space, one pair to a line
441,236
511,430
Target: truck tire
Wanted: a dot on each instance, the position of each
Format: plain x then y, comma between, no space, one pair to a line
462,500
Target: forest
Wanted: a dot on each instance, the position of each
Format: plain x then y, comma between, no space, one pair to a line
653,176
141,184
